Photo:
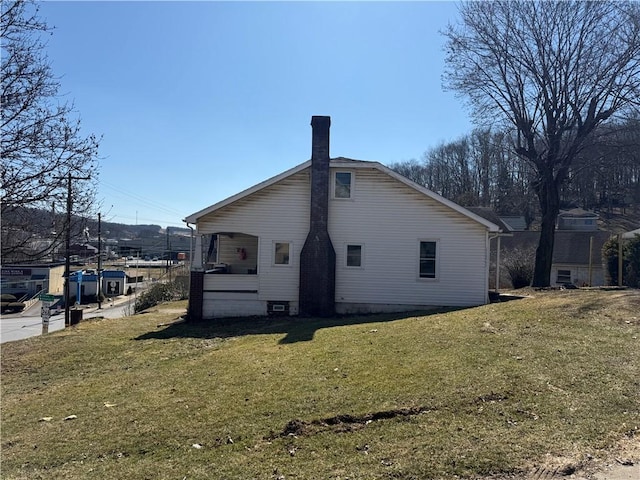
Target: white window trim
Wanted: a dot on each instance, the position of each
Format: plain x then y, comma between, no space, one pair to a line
351,189
438,255
346,255
273,254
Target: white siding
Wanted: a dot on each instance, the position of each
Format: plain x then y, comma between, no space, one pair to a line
580,274
279,213
223,282
228,252
390,219
385,216
220,308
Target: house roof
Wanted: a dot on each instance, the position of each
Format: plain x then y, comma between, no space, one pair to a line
517,223
83,247
569,247
342,162
631,234
578,213
489,214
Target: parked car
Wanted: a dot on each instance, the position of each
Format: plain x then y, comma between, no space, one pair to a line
10,304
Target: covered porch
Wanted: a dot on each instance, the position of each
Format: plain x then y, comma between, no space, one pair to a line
231,253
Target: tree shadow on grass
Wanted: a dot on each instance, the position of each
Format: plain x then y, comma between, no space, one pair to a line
297,329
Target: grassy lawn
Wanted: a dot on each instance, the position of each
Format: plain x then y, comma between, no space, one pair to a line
551,381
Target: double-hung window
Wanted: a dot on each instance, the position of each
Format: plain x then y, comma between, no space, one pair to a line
343,183
281,253
354,255
428,259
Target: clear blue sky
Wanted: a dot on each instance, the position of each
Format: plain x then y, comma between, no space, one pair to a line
197,101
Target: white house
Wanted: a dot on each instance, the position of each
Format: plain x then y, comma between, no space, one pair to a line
577,219
336,236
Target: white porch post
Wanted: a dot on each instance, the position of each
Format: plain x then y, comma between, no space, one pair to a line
196,265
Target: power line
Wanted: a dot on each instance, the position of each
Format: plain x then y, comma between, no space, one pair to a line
144,220
142,200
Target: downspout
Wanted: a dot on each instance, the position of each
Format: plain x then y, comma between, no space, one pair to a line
190,251
491,237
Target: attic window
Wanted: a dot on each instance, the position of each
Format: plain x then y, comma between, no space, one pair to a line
342,185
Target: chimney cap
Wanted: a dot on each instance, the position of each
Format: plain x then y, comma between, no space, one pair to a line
320,121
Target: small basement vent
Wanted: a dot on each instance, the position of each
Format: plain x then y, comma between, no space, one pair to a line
278,308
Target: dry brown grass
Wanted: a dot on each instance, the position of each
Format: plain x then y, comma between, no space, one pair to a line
547,381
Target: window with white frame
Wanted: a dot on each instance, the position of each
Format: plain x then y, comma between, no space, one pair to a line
428,259
342,185
564,276
354,255
281,253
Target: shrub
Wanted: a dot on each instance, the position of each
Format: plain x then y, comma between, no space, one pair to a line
630,261
158,293
518,263
16,306
11,304
181,287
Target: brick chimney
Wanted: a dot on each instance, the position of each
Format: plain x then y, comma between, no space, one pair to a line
318,258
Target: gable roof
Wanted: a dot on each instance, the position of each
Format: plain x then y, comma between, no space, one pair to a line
577,213
489,214
342,162
515,222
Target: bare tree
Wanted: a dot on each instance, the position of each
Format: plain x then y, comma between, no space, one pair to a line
41,143
412,169
554,71
478,169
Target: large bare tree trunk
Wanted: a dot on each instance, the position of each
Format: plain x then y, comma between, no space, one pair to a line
544,252
549,198
554,72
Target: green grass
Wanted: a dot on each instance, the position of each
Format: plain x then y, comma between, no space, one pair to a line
492,390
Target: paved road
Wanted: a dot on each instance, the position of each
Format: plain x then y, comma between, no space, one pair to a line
18,326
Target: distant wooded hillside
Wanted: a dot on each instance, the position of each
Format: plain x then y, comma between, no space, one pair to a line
482,169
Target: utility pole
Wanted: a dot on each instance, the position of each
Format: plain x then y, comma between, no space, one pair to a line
169,259
53,232
99,261
67,260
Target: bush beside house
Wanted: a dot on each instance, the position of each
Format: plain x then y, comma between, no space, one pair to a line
630,261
